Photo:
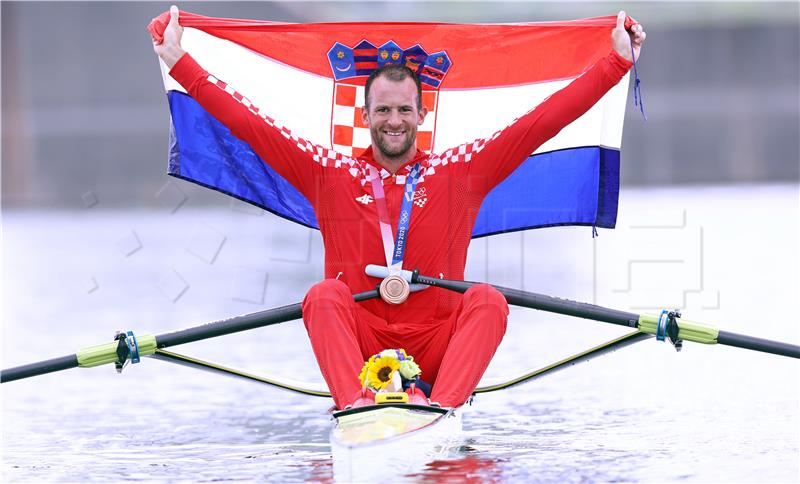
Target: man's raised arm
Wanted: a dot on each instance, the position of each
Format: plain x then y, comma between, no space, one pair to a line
290,156
503,154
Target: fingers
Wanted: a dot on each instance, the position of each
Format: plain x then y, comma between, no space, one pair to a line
621,16
636,30
638,33
156,40
173,14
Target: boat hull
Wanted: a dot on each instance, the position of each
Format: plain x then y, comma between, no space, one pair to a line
378,442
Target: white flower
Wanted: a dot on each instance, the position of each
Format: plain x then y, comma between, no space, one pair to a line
409,370
388,354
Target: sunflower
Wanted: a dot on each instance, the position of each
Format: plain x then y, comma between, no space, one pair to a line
380,370
362,376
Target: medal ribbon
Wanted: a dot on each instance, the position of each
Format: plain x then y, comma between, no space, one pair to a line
394,252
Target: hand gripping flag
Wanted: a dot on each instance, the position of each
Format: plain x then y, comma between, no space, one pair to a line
476,79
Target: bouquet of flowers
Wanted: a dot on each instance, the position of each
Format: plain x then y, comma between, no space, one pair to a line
388,370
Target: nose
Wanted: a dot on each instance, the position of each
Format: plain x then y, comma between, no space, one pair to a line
394,117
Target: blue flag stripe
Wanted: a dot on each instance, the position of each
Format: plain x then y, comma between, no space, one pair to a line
576,186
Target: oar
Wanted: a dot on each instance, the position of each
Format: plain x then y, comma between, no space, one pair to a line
128,346
667,325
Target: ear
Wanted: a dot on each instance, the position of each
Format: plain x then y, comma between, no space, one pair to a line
365,116
422,113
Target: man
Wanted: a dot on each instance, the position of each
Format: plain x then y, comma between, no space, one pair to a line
358,204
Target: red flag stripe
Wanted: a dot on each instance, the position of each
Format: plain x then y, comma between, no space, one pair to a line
480,53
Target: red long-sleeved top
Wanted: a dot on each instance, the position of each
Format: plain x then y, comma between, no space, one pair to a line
453,185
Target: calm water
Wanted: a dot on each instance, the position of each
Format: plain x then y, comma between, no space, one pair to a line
728,256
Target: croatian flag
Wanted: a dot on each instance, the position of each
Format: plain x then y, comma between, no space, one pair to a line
476,78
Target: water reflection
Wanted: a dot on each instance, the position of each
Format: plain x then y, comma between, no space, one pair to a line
467,469
321,471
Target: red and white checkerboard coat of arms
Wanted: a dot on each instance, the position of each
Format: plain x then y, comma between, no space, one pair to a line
352,65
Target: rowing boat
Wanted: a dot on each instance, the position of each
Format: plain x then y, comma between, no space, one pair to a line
372,443
668,326
400,436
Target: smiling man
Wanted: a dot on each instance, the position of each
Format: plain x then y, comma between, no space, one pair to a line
396,205
393,110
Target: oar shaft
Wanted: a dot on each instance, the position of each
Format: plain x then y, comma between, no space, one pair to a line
40,368
543,303
647,323
107,352
758,344
231,325
242,323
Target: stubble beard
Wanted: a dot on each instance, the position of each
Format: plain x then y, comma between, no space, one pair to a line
388,151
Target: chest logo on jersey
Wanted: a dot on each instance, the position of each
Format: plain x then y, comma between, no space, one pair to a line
352,65
365,199
420,197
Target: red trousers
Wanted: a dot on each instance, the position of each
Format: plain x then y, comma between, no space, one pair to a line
453,353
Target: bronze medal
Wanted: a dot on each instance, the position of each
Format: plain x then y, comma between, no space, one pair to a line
394,289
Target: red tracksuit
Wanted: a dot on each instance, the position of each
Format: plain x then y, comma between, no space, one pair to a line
452,337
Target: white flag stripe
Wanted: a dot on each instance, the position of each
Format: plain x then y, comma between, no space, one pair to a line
302,101
343,114
465,115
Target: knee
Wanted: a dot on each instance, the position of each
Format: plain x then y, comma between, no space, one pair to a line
485,295
485,306
328,289
327,294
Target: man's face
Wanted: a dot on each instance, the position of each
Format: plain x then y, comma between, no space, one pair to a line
392,116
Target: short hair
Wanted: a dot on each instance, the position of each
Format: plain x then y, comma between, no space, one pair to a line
396,73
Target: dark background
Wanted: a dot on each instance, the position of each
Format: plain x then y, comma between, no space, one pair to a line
84,114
